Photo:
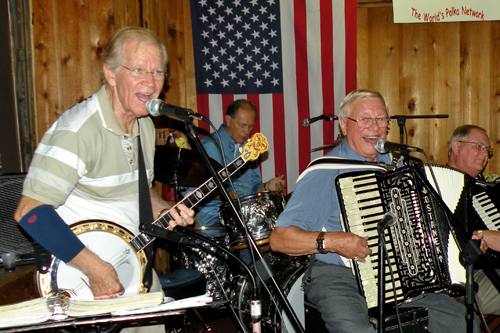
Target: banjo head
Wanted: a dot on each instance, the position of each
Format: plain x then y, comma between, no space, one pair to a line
112,244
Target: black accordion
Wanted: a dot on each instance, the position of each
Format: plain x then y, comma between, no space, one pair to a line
421,245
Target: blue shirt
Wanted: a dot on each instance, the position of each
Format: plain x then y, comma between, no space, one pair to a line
246,181
314,204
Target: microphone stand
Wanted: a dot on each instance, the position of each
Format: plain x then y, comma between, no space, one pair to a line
468,256
381,281
402,122
388,220
256,326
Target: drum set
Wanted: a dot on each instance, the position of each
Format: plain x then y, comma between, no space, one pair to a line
226,280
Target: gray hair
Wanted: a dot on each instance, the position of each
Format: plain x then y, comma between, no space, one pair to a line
353,96
113,56
461,133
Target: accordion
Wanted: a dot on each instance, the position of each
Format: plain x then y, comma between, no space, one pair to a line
423,255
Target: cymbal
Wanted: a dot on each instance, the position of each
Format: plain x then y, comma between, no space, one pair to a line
331,145
187,164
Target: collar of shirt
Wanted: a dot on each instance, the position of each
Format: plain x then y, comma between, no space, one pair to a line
109,120
229,142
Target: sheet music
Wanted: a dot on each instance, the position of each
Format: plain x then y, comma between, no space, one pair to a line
170,304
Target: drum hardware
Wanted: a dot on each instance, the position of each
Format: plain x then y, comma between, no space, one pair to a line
194,253
228,254
257,141
334,144
262,268
328,146
275,317
185,167
260,212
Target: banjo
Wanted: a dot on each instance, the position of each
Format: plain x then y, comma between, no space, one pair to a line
117,246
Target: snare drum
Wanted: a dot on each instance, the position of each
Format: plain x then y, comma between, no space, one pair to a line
210,261
259,212
288,273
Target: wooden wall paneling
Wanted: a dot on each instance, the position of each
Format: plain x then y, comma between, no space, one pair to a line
189,72
124,13
416,83
177,41
155,16
475,69
494,128
101,20
476,44
170,19
378,58
444,52
44,64
68,49
445,39
362,48
70,52
100,26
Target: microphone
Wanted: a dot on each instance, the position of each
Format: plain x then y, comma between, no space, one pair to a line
172,236
307,122
387,221
383,147
157,107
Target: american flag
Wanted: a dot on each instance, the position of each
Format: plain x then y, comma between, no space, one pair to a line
294,59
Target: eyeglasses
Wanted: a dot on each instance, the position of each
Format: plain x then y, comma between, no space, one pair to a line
481,147
140,73
367,122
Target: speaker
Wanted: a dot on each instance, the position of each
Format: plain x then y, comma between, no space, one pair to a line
12,237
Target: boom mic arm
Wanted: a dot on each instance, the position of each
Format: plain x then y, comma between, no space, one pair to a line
307,122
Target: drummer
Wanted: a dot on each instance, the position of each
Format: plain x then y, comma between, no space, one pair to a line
240,119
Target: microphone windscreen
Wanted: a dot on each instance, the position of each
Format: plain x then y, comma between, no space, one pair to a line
380,146
152,106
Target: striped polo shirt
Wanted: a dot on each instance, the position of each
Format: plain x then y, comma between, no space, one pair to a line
85,165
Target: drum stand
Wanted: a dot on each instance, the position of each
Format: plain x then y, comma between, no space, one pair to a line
255,304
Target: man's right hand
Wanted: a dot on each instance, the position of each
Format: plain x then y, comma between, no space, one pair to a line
103,279
349,245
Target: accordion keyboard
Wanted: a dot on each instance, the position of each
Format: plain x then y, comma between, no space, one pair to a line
364,209
487,210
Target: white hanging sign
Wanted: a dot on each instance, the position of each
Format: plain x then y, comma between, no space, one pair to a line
435,11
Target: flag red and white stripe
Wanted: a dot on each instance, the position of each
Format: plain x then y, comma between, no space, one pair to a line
318,50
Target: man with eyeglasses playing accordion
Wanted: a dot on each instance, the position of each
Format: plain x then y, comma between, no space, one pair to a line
310,225
469,151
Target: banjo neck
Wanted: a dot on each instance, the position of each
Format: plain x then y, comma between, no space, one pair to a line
250,152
